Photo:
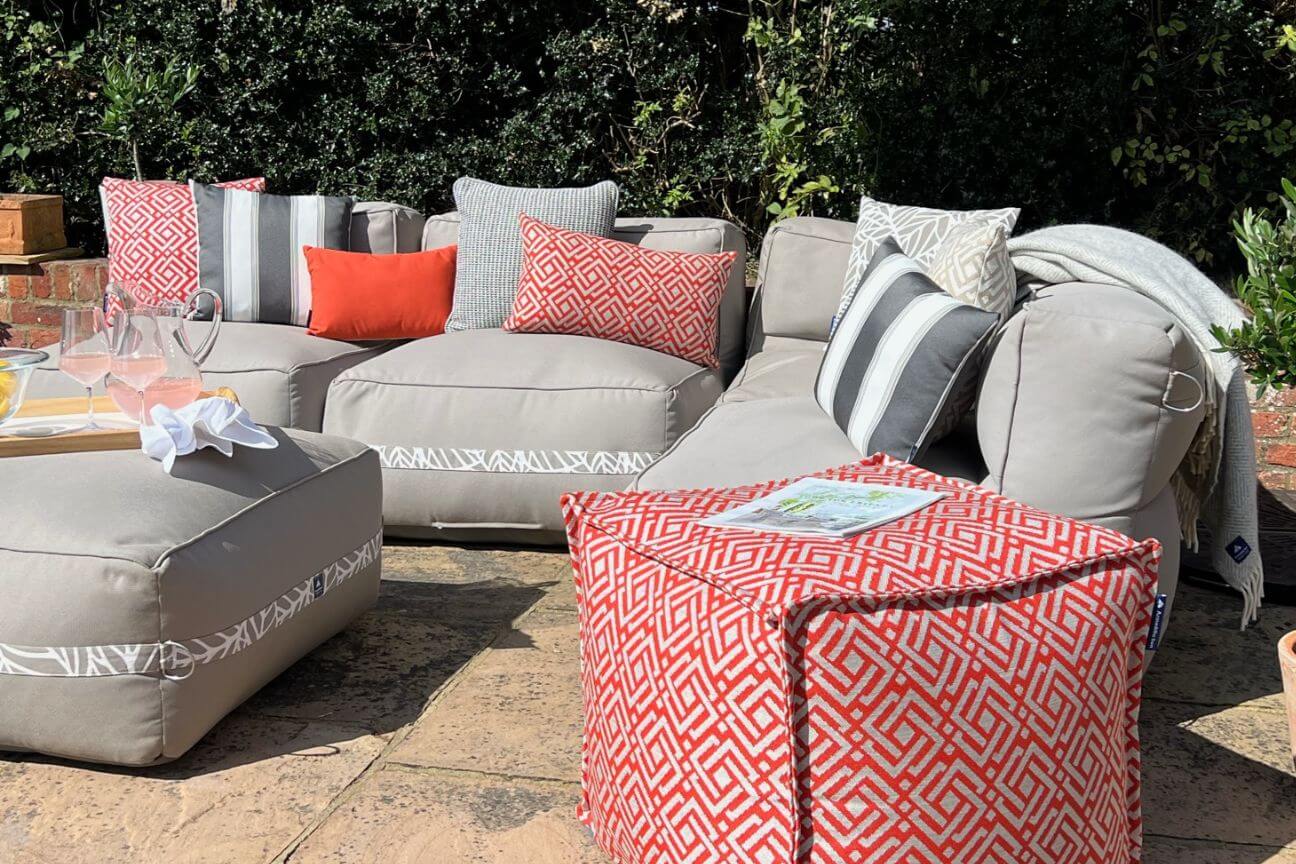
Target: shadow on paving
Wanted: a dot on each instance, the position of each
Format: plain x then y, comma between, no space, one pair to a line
373,678
1216,763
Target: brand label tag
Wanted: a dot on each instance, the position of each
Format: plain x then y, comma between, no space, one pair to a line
317,585
1158,622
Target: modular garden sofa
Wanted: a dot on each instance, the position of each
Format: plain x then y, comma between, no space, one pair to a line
1079,411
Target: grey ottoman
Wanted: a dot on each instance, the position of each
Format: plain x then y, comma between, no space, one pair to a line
140,608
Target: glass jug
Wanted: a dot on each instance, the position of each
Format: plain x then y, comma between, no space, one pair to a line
181,382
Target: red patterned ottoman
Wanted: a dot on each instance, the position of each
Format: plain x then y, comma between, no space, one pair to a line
961,685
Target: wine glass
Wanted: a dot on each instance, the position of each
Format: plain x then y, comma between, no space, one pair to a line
137,355
83,352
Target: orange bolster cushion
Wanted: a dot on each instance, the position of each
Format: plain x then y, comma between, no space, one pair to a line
357,296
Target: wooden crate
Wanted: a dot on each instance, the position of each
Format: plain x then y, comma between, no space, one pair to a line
30,224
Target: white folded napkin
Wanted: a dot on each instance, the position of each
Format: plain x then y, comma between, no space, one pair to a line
213,422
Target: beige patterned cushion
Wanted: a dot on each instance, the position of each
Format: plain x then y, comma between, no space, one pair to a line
918,230
972,265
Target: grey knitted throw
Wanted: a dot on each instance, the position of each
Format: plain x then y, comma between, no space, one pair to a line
1217,480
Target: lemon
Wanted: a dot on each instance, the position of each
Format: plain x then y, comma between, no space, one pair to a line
8,387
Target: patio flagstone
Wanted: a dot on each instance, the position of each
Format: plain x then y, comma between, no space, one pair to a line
444,727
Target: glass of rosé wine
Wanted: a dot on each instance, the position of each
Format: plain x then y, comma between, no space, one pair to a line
137,353
83,352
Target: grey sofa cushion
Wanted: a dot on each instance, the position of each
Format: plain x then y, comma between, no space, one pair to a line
787,367
799,283
1072,416
676,235
280,372
169,612
490,243
380,228
738,443
249,249
482,430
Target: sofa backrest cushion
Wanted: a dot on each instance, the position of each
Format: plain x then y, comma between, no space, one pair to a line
1089,401
672,234
799,284
382,228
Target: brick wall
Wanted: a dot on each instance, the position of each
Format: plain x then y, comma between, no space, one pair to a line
32,298
1274,420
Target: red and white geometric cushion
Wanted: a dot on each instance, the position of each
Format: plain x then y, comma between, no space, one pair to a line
960,685
153,234
583,285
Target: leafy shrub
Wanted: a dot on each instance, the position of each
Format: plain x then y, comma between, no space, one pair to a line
1267,343
1169,117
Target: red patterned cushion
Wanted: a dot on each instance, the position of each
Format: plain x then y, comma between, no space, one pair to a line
583,285
153,234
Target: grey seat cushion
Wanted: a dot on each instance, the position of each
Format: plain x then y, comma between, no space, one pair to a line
281,373
787,367
382,228
753,441
480,431
154,604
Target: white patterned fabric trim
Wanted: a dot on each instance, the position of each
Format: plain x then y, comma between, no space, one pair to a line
177,660
516,461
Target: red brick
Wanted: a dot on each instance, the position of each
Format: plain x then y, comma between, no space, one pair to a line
1283,398
41,314
40,287
1282,454
60,277
39,337
17,287
1269,424
1277,479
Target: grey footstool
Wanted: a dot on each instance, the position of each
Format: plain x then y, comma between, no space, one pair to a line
140,608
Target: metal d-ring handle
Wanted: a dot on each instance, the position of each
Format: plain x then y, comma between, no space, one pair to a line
1201,394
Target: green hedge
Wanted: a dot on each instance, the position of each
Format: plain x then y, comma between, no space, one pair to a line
1164,117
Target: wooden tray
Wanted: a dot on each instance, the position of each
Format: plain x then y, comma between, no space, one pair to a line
81,440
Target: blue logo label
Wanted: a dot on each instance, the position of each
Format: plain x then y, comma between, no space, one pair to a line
1238,550
1158,623
317,585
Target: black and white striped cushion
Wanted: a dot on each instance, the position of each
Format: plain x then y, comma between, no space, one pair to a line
250,249
902,364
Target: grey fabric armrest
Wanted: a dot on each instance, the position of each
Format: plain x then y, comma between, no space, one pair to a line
1089,402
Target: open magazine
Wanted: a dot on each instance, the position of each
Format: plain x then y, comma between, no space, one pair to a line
825,508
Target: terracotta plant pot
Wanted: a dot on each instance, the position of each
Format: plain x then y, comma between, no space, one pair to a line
1287,662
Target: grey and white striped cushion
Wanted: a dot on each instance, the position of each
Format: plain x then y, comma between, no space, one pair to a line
489,260
250,249
902,364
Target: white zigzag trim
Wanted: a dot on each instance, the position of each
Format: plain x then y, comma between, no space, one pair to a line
515,461
179,659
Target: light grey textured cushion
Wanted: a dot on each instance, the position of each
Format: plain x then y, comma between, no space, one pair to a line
738,443
901,367
920,231
484,429
242,564
281,373
250,249
380,228
489,260
692,234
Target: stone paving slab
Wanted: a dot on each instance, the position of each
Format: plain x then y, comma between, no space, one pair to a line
515,712
409,816
243,794
443,726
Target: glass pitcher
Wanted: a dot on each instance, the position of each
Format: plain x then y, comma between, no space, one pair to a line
181,382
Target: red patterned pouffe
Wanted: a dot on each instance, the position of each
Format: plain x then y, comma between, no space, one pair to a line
961,685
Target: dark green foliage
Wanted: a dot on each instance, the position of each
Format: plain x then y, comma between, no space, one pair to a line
1166,117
